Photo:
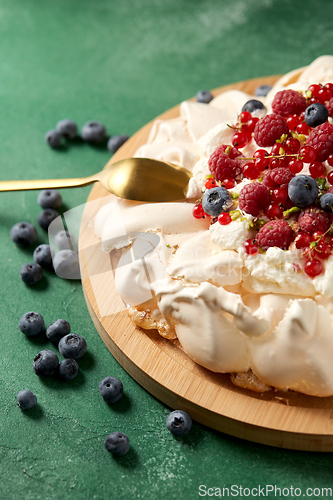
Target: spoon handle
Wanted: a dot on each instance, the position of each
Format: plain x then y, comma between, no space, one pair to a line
46,183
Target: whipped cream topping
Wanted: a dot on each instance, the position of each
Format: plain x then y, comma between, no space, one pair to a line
232,311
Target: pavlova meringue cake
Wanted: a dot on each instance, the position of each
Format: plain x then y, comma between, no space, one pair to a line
242,272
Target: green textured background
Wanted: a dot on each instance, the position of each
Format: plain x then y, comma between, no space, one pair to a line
122,63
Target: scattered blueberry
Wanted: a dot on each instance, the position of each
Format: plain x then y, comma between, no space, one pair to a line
26,399
72,346
43,256
23,234
45,363
67,128
93,131
253,105
117,443
57,330
31,273
315,114
46,217
68,369
179,422
216,201
53,138
49,198
64,240
31,324
66,264
326,202
303,190
111,389
262,90
204,96
115,142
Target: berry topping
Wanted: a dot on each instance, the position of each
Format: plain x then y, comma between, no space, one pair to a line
251,247
216,200
253,105
315,114
253,198
269,129
326,202
288,102
276,233
329,106
321,139
204,96
303,190
313,219
72,346
68,369
262,90
224,162
57,330
303,239
278,177
46,363
224,218
198,212
313,267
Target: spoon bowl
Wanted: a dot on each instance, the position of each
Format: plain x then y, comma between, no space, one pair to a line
138,179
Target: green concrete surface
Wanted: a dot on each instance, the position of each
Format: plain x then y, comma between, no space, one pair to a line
121,63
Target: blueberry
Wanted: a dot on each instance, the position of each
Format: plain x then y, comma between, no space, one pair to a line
26,399
43,256
72,346
216,200
45,363
46,217
31,273
303,190
53,138
64,240
57,330
68,369
253,105
117,443
31,324
23,234
66,264
93,132
326,202
315,114
262,90
204,96
179,422
49,198
111,389
67,128
115,142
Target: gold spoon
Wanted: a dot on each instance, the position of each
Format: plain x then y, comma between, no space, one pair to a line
139,179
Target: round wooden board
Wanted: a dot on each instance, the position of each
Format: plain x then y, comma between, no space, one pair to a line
287,420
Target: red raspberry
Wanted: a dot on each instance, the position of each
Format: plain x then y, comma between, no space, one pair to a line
276,233
253,198
288,102
321,139
225,165
278,177
313,219
269,129
329,106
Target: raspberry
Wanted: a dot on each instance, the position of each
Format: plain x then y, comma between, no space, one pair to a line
253,198
278,177
313,219
321,139
276,233
288,102
329,106
224,164
269,129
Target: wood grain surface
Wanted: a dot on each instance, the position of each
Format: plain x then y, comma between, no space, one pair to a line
282,419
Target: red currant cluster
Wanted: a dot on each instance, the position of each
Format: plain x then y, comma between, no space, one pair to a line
244,129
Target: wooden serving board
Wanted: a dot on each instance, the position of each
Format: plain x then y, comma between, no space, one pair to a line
287,420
